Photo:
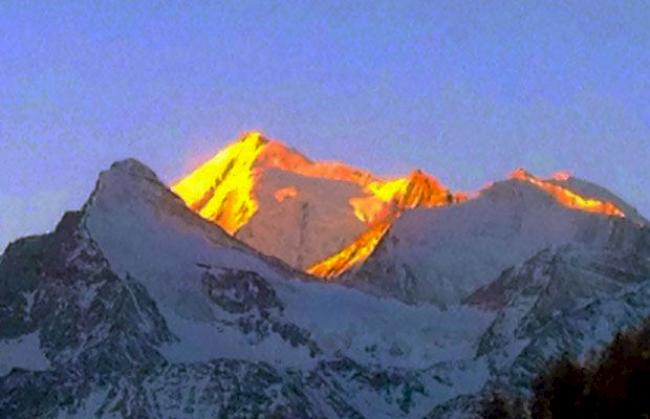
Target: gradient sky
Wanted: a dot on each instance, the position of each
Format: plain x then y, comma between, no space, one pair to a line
465,90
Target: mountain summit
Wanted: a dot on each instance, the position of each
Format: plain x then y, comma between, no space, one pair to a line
327,218
137,306
301,211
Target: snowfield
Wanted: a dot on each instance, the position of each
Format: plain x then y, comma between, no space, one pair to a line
136,307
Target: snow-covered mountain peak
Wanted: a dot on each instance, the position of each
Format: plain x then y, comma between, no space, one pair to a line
301,211
129,185
440,254
131,167
326,217
129,181
423,189
254,137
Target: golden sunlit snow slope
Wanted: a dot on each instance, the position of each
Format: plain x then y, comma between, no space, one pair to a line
303,212
321,217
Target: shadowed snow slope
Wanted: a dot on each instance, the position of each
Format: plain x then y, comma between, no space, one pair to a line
137,287
441,255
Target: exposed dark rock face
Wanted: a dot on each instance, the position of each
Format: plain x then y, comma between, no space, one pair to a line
259,310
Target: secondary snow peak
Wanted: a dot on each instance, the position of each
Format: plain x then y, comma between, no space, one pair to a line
567,197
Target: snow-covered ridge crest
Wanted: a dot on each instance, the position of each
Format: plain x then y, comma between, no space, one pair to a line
326,218
129,198
135,168
441,255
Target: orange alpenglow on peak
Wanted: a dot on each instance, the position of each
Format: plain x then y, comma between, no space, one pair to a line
386,198
387,201
568,197
224,191
221,190
417,189
229,205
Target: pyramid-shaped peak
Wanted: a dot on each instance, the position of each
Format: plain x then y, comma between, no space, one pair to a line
249,142
521,174
128,183
417,173
419,176
131,167
253,137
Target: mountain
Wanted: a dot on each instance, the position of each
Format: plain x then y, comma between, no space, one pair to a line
424,242
302,212
441,255
137,306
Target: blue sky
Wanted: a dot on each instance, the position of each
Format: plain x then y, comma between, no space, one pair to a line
465,90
